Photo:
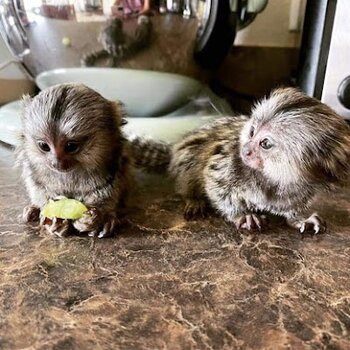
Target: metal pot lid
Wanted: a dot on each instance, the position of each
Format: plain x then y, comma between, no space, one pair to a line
177,36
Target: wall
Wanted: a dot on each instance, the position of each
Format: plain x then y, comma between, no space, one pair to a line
265,55
275,26
13,82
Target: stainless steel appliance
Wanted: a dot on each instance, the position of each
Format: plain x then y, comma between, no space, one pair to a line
185,36
325,53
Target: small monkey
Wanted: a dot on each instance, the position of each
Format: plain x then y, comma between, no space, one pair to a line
72,145
117,45
292,148
113,40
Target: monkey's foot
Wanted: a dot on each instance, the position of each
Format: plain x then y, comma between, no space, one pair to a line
56,226
91,221
313,223
31,213
195,208
109,228
248,222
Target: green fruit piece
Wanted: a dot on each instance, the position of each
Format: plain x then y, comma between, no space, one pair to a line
64,208
66,41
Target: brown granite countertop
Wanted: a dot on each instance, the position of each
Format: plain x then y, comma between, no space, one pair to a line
163,283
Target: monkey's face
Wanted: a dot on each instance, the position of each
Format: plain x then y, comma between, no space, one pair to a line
293,138
69,129
63,151
59,154
264,150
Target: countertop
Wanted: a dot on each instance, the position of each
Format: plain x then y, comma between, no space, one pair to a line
163,283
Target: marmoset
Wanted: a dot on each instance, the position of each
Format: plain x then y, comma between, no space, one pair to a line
118,45
71,145
113,40
292,148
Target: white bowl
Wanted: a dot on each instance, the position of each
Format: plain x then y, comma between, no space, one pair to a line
163,103
167,128
144,93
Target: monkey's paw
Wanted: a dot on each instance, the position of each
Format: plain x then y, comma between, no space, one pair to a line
109,228
195,208
96,224
248,222
91,221
313,223
31,213
56,226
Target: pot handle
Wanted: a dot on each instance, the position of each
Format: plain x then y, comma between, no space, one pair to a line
12,30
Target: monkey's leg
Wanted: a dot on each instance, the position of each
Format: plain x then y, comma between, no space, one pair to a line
234,210
248,221
92,58
194,208
196,205
312,223
109,227
232,207
38,198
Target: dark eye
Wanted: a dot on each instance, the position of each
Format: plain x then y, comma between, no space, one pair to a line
71,147
266,144
251,132
43,146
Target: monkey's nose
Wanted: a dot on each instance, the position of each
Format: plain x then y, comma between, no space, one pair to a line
246,151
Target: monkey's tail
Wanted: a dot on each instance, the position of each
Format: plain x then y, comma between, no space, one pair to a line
152,156
91,58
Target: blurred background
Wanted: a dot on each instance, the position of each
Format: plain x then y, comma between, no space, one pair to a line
240,49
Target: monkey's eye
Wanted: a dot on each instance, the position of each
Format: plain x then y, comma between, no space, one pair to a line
43,146
71,147
251,132
266,144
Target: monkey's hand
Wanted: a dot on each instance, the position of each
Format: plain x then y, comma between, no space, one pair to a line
31,213
312,223
97,224
248,222
91,221
55,226
195,209
109,226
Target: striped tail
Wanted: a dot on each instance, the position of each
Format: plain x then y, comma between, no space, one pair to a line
153,156
93,57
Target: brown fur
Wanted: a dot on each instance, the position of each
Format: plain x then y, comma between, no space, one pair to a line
98,173
224,164
117,45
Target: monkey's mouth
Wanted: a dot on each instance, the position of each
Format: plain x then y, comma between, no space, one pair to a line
62,165
61,170
252,162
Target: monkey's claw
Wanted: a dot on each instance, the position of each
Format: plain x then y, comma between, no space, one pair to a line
56,226
314,222
31,213
109,228
194,208
248,222
89,222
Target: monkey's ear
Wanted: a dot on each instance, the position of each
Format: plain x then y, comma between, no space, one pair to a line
120,112
26,100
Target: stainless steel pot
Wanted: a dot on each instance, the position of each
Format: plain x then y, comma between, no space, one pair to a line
183,36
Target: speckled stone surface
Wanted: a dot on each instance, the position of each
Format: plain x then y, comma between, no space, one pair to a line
163,283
